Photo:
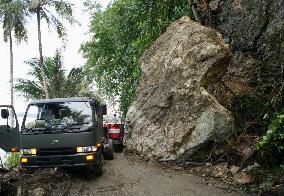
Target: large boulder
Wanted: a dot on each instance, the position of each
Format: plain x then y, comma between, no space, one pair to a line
174,113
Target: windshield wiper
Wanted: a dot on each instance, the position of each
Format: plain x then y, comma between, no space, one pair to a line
34,130
82,123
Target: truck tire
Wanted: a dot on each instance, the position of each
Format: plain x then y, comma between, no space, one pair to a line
118,147
109,151
98,169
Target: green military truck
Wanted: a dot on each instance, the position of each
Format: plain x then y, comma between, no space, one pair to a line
61,132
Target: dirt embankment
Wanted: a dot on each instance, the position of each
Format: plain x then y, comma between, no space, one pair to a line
122,176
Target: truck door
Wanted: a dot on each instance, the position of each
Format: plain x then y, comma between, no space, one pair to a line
9,129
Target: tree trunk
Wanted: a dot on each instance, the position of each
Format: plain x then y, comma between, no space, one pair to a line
11,68
206,3
153,15
41,56
194,11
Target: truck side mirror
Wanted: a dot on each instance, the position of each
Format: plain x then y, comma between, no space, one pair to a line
104,109
4,113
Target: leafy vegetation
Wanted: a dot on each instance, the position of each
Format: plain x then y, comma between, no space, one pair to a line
121,33
59,84
272,143
13,160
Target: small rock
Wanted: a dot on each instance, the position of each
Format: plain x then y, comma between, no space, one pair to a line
37,192
19,191
7,176
242,178
16,169
214,5
250,167
178,168
234,169
220,169
198,169
208,164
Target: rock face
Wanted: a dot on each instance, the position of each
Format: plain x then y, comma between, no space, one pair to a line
174,113
255,30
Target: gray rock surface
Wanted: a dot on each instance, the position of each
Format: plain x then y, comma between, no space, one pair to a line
174,113
254,29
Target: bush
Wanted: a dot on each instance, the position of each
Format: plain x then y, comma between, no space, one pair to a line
272,143
13,160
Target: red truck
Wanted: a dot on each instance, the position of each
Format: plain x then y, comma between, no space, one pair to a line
114,130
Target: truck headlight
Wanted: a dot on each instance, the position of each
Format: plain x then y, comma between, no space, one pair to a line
86,149
31,151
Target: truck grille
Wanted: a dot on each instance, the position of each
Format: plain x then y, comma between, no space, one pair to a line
56,151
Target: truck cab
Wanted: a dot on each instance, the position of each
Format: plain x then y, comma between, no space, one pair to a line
61,132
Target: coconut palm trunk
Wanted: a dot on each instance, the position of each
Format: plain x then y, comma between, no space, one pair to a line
41,56
11,67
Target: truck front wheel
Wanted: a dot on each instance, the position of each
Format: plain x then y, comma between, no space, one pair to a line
98,169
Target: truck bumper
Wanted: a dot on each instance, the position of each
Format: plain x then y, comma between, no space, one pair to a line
76,160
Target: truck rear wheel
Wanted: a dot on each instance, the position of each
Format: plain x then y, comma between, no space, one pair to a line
109,150
118,147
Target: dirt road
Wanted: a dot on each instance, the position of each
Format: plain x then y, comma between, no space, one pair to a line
124,177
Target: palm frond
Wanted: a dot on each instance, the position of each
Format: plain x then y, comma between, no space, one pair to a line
64,10
12,15
60,84
29,89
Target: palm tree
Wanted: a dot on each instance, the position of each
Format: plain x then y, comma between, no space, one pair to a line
12,16
42,9
59,84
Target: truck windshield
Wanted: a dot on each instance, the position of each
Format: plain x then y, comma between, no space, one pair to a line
58,115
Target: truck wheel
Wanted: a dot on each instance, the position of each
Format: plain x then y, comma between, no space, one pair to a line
118,147
98,169
109,151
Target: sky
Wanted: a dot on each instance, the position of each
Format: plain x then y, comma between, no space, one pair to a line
76,35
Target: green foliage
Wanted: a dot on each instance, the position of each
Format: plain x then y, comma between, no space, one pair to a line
121,34
272,143
12,160
63,10
275,135
12,17
60,84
